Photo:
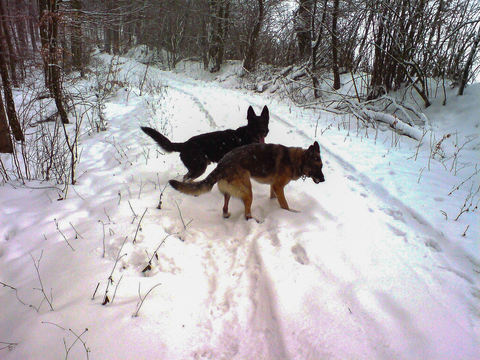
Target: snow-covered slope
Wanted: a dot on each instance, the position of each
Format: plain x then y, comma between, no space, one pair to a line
372,266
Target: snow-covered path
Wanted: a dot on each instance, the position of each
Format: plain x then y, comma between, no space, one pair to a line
359,272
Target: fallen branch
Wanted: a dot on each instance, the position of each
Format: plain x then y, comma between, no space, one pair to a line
394,122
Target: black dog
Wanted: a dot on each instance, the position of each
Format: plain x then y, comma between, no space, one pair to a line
197,152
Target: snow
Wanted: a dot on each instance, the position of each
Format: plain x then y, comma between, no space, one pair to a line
372,266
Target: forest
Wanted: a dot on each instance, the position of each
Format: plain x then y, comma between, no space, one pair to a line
101,259
395,43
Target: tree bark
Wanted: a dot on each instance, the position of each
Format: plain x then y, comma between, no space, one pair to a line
6,144
303,28
43,29
49,33
5,33
319,36
216,31
7,91
468,64
56,73
336,73
32,27
77,48
250,59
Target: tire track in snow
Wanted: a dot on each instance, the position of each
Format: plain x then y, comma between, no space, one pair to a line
181,89
242,318
173,82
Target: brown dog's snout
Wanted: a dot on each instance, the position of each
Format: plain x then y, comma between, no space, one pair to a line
318,177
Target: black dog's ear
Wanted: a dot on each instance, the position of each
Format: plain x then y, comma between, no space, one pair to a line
265,112
251,113
314,148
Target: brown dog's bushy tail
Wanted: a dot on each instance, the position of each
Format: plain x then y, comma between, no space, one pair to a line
196,188
161,140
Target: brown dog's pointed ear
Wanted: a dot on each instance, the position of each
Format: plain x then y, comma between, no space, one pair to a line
265,112
251,113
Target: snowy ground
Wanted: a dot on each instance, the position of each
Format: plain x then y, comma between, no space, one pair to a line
373,266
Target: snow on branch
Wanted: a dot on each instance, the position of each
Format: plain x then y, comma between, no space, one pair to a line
394,122
367,112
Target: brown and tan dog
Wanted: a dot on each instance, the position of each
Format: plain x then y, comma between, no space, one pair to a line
271,164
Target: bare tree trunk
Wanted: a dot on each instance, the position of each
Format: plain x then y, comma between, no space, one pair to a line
56,73
6,144
250,59
216,32
77,48
108,33
468,64
116,39
303,28
336,74
314,50
32,26
49,33
8,42
319,37
7,91
108,41
44,39
20,25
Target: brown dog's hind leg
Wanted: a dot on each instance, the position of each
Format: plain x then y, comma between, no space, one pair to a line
240,188
247,201
248,209
272,193
226,214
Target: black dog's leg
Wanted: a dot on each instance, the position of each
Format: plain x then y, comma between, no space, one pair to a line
195,163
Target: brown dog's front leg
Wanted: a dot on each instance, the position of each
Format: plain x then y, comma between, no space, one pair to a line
278,190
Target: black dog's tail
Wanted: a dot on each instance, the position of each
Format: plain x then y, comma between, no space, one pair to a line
161,140
196,188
